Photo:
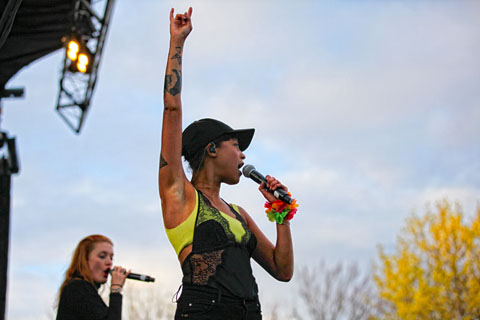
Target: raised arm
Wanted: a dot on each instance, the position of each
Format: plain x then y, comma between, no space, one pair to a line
171,177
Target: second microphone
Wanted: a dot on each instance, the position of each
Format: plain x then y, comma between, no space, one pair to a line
139,277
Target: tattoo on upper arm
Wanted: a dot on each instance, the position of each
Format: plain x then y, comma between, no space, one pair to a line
173,86
163,163
178,55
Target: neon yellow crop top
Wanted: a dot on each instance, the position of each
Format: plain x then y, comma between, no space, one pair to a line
182,235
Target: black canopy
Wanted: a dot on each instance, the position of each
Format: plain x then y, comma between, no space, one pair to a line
34,31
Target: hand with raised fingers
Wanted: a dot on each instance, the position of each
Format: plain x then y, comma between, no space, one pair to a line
181,24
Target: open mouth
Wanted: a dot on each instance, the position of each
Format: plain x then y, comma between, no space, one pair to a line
106,272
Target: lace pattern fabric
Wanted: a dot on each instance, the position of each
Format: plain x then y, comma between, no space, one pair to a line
206,213
205,265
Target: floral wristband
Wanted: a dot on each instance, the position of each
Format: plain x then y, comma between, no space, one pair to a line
280,211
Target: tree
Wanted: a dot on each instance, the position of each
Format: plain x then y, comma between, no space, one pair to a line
147,303
335,292
434,272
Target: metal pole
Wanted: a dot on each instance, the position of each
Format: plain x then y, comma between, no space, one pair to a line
8,165
4,238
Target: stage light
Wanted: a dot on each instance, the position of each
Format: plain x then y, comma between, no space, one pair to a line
72,50
78,55
82,63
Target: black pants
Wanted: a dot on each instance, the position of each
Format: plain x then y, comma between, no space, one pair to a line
205,303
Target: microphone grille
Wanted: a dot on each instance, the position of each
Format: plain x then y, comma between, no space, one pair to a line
247,170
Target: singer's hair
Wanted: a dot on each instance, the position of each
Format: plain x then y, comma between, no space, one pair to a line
78,268
196,161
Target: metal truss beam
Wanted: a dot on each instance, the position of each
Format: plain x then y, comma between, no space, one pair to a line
76,88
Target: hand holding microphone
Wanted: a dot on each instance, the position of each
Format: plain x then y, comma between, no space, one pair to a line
119,275
250,172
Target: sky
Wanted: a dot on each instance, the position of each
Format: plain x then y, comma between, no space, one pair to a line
367,110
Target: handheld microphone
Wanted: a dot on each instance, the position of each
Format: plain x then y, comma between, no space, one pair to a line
250,172
139,277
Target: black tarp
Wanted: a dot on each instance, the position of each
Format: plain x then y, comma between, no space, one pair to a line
37,30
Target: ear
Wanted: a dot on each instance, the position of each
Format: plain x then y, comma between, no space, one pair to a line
211,148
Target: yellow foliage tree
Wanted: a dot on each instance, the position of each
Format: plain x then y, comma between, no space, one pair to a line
434,272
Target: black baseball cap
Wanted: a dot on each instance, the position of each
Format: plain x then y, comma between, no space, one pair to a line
201,132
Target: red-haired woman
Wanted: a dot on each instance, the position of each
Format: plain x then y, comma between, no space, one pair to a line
89,269
214,240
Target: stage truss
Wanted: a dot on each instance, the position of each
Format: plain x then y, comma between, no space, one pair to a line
76,88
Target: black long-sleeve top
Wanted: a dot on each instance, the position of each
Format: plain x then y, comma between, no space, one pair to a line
80,301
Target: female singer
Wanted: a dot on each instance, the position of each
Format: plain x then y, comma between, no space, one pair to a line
89,269
214,240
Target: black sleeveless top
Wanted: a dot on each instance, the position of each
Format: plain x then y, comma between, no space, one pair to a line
217,259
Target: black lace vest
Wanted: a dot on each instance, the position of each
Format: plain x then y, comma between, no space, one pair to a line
218,260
